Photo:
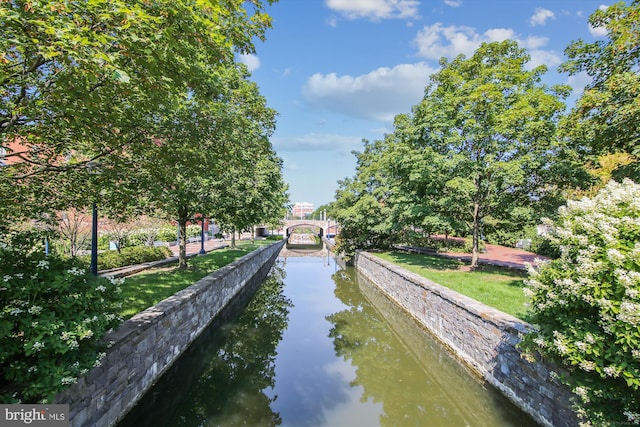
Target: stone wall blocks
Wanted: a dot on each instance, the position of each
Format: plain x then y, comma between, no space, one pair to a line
485,338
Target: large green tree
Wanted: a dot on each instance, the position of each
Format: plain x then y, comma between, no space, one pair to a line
196,145
86,81
606,117
489,125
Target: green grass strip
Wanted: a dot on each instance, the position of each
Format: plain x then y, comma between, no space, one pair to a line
496,287
149,287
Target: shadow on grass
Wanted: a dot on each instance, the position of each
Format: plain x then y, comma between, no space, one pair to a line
149,287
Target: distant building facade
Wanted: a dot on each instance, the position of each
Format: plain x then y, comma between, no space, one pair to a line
301,210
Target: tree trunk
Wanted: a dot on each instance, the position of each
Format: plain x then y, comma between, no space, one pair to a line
233,238
476,235
182,253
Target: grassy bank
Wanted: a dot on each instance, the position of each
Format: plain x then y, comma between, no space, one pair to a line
496,287
149,287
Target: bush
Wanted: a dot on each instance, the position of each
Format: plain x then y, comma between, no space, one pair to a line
52,318
541,245
129,256
586,305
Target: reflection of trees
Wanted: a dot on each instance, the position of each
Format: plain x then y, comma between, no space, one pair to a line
413,378
385,373
233,372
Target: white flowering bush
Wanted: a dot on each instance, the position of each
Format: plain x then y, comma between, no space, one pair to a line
52,315
586,304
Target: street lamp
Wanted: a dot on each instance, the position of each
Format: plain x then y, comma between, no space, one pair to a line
93,168
202,251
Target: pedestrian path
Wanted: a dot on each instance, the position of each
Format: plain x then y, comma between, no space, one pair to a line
501,256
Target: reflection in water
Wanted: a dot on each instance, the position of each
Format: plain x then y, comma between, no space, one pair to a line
321,346
219,380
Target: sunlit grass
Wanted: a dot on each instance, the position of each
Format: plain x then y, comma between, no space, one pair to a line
149,287
496,287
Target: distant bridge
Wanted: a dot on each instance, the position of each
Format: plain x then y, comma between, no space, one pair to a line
325,227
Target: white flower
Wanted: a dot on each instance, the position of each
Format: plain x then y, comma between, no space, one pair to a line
615,256
76,271
587,365
73,344
35,310
16,311
37,346
583,393
101,288
630,313
633,417
68,380
44,264
611,371
6,278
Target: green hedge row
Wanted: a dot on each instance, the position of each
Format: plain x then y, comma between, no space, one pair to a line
129,256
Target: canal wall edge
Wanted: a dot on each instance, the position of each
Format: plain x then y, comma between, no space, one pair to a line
482,337
146,345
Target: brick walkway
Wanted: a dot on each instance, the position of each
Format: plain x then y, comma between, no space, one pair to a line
501,256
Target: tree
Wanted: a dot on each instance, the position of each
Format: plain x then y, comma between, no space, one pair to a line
86,81
200,143
585,306
362,206
489,125
606,117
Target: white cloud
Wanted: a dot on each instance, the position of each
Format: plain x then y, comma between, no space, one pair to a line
453,3
251,61
540,16
437,41
378,95
375,10
343,144
578,82
597,31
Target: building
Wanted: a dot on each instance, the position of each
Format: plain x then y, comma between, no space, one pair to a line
301,210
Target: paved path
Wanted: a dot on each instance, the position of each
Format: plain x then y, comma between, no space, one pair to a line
501,256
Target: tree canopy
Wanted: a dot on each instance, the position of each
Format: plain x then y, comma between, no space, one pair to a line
480,149
606,117
140,104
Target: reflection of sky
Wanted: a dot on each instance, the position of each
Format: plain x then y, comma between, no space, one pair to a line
311,384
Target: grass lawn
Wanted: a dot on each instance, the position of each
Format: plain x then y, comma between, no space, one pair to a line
149,287
494,286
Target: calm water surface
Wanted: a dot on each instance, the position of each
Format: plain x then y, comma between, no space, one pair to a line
318,345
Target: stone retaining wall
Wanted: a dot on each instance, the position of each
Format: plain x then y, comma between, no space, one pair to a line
484,338
148,343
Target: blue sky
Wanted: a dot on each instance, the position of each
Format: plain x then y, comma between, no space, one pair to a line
338,71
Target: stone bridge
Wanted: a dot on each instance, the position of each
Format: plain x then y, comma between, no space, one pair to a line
325,227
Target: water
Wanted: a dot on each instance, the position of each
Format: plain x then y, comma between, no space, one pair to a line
320,346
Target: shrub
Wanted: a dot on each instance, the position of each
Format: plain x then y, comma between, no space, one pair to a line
129,256
586,304
52,318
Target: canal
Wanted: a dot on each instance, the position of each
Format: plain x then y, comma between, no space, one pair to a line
318,345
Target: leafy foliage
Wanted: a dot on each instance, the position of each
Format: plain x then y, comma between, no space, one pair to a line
53,315
606,118
586,305
129,256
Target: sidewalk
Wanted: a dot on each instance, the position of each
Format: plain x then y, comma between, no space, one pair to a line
501,256
497,255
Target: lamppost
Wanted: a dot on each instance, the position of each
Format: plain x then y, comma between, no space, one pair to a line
202,251
93,168
94,240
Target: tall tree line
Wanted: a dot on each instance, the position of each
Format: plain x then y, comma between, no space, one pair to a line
489,150
137,106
